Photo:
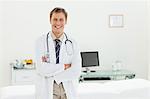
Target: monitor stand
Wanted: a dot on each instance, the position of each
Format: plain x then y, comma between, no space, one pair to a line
87,70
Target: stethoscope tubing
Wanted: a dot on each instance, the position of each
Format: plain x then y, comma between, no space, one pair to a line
67,40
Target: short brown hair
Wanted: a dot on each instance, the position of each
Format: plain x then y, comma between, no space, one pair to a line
58,10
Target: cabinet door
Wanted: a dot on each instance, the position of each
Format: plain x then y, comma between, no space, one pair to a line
24,76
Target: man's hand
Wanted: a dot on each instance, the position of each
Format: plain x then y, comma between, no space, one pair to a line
67,66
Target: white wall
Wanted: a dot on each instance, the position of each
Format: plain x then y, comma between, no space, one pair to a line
23,22
1,74
148,5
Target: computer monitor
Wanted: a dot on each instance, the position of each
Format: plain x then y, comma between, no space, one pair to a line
90,59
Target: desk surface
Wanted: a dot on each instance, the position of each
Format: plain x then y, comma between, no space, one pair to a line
114,75
107,73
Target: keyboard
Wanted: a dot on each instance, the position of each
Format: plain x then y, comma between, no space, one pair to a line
96,78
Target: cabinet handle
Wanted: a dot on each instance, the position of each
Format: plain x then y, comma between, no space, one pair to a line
25,76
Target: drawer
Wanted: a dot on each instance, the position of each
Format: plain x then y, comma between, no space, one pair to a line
24,76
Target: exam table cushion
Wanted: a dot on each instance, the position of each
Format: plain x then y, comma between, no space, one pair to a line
123,89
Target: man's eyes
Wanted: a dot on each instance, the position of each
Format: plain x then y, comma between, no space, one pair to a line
61,19
58,19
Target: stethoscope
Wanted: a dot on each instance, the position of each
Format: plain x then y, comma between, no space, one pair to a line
69,50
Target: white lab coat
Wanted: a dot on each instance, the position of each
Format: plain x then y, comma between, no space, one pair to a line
48,72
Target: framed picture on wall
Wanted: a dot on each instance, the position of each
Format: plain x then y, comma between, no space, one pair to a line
116,21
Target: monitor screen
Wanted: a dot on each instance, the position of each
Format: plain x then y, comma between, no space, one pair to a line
90,59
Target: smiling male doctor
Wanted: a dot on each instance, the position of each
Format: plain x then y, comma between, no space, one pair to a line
58,61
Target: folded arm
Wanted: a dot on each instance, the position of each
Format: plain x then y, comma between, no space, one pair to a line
59,71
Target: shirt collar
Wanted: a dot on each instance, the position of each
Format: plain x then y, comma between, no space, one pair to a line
54,37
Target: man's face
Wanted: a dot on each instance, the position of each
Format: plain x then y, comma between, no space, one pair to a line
58,22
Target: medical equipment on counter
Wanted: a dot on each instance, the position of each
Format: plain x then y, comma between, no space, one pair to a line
23,64
17,64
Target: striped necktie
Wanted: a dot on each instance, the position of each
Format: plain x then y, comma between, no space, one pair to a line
57,49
